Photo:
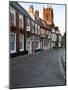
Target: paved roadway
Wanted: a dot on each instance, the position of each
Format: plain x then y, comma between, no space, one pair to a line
40,70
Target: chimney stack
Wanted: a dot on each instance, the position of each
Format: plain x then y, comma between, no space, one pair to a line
31,9
37,13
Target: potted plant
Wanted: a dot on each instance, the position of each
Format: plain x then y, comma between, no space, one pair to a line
12,27
22,29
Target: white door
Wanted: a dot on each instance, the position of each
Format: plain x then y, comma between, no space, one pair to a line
29,45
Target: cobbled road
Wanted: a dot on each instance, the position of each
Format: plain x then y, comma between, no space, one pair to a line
41,69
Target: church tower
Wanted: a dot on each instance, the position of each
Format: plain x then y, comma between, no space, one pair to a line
48,14
31,9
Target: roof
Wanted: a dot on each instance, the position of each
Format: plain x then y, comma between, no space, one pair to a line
19,8
41,22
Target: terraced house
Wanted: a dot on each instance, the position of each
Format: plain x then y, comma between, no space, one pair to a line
28,32
19,19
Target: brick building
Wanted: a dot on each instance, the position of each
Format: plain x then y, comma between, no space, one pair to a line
20,25
55,34
30,33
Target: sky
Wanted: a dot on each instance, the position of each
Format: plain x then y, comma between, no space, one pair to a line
58,11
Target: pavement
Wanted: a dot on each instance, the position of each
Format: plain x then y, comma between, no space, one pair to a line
39,70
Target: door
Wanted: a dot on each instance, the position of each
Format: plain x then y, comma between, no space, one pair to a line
29,45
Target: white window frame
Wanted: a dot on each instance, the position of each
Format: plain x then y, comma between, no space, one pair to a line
33,29
53,37
28,27
36,28
42,31
53,30
57,32
22,42
13,51
14,12
47,32
21,17
60,38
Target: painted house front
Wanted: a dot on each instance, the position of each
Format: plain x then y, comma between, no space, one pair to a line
29,34
59,37
46,35
53,37
18,29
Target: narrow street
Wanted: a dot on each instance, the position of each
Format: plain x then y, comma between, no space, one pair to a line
41,69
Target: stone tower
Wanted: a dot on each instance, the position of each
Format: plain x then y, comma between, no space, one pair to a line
48,15
31,9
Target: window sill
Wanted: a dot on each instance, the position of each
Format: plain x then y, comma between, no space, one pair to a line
21,49
13,51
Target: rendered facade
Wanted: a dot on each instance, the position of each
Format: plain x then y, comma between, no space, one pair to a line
29,33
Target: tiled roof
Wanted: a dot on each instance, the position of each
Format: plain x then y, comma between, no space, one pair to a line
42,23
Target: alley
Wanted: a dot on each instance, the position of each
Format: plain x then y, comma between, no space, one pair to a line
40,69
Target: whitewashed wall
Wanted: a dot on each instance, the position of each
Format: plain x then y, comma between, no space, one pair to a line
53,37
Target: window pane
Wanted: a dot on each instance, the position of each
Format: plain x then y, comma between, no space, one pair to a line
21,42
12,37
28,22
20,45
36,28
28,25
20,22
11,19
46,42
12,46
12,41
36,44
32,26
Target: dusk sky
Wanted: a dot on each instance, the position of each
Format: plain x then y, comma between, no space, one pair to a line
58,10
